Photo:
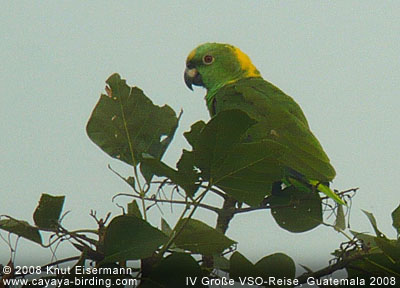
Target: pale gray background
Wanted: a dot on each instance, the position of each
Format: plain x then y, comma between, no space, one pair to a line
338,59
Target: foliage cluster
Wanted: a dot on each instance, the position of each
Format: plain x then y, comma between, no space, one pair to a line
126,125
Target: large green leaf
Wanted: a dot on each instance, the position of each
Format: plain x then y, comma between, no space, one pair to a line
131,238
217,139
21,228
200,238
48,211
176,270
249,170
241,267
396,219
125,123
246,171
193,135
278,265
296,210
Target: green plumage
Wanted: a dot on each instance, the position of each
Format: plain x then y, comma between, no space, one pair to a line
233,82
279,119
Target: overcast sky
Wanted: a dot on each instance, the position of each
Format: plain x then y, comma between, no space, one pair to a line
340,60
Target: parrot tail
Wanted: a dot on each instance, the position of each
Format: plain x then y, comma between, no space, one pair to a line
327,191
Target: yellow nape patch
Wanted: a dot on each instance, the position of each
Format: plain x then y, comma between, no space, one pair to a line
245,63
191,55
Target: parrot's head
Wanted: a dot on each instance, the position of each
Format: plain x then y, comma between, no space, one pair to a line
213,65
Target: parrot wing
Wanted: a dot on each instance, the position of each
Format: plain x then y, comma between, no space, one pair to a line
280,119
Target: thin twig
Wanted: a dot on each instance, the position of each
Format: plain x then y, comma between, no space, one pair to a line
77,237
342,193
211,189
123,178
205,206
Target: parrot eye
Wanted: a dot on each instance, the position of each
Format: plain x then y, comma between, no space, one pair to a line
208,59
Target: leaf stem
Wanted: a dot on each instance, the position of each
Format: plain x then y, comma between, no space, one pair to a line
175,233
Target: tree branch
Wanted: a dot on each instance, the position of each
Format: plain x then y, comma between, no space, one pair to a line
225,214
330,269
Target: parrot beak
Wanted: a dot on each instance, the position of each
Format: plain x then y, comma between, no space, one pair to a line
192,77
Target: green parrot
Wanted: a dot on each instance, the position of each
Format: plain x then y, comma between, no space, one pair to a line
233,82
